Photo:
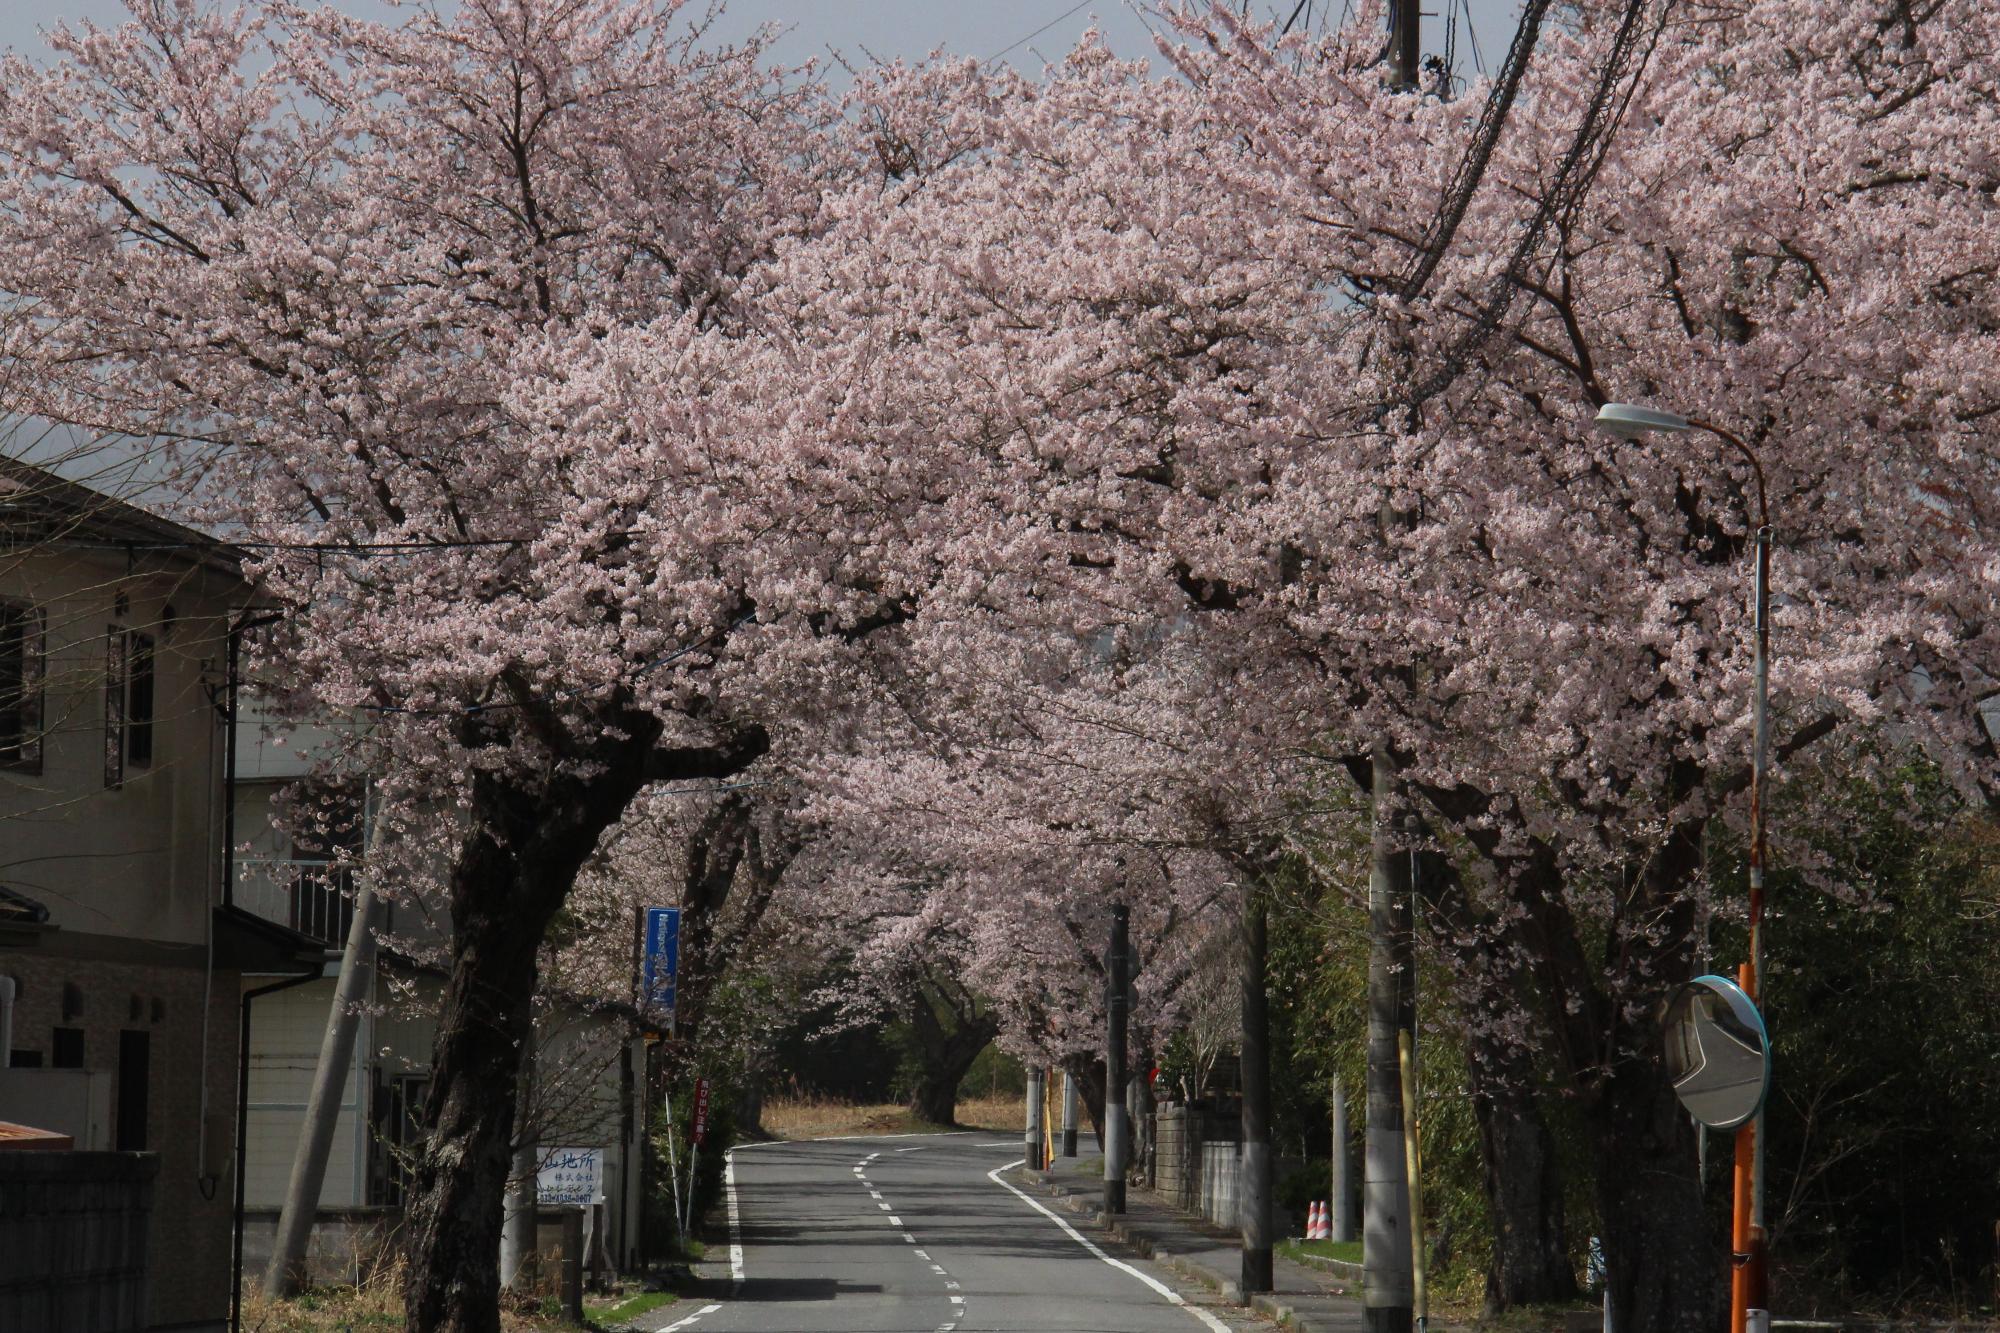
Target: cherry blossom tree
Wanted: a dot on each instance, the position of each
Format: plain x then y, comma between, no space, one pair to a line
438,319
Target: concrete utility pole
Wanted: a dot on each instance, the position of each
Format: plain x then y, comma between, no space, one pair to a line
1388,1294
1116,1138
286,1276
1032,1135
1069,1115
1345,1227
1253,1207
517,1209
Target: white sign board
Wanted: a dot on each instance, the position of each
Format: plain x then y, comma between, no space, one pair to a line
570,1176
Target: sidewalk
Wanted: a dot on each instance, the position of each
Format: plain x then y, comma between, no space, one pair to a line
1305,1300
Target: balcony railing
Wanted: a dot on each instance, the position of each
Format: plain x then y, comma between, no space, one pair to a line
315,898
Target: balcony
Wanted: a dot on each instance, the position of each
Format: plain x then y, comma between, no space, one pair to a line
315,898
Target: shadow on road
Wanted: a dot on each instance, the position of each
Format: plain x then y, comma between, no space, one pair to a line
779,1289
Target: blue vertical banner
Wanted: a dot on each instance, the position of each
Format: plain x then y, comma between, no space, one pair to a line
661,968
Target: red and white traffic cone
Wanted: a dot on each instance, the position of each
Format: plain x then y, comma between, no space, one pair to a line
1315,1221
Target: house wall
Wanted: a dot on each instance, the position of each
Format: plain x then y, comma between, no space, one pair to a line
285,1033
579,1106
139,860
129,874
191,1224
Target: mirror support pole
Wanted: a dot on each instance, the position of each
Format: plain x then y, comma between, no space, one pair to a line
1751,1311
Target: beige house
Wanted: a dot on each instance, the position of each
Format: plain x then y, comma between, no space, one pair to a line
121,957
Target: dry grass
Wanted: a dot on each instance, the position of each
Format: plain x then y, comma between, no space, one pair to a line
377,1304
824,1117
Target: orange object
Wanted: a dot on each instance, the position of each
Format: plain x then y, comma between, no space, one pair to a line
1746,1258
27,1136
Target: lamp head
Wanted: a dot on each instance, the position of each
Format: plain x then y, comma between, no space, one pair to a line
1632,421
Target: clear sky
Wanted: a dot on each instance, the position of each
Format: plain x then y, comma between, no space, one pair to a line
1025,30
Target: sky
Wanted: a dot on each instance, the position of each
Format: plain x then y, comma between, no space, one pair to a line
1025,32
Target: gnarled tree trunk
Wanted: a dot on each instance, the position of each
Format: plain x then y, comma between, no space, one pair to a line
528,839
950,1031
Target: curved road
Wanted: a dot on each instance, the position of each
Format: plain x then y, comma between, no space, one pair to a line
917,1234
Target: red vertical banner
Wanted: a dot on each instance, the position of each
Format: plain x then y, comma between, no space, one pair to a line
699,1129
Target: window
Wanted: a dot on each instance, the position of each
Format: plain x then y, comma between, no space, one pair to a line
67,1052
139,701
21,670
135,1061
129,689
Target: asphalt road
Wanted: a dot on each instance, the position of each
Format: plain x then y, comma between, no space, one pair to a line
917,1235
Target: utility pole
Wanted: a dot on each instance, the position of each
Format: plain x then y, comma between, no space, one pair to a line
1388,1294
1031,1135
1069,1115
1254,1200
518,1205
1388,1290
1344,1225
1405,41
1116,1138
286,1276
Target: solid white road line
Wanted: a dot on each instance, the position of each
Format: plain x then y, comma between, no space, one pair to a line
1171,1296
735,1223
683,1323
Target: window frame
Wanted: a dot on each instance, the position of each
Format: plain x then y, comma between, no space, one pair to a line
28,624
131,702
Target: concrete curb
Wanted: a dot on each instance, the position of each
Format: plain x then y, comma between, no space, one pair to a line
1339,1268
1265,1303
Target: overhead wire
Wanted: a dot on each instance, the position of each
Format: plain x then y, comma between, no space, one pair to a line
1013,46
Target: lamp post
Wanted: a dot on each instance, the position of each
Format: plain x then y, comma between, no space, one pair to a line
1749,1308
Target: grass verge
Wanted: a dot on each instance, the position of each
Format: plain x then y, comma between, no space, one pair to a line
1347,1251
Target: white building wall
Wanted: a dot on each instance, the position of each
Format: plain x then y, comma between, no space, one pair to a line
285,1038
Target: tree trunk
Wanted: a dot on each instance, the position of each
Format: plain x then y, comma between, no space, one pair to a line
1664,1264
1254,1196
1089,1075
934,1099
1531,1263
455,1200
514,871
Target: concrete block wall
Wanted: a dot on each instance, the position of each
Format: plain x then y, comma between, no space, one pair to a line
74,1241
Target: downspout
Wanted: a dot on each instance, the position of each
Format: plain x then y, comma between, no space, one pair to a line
233,686
242,1134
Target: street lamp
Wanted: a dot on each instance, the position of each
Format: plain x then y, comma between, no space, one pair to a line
1749,1306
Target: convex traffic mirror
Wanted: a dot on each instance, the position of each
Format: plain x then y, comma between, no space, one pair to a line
1718,1055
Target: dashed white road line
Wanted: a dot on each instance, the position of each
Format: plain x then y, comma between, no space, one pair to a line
683,1323
735,1223
1171,1296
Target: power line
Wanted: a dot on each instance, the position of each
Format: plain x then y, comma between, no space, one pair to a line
1039,31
